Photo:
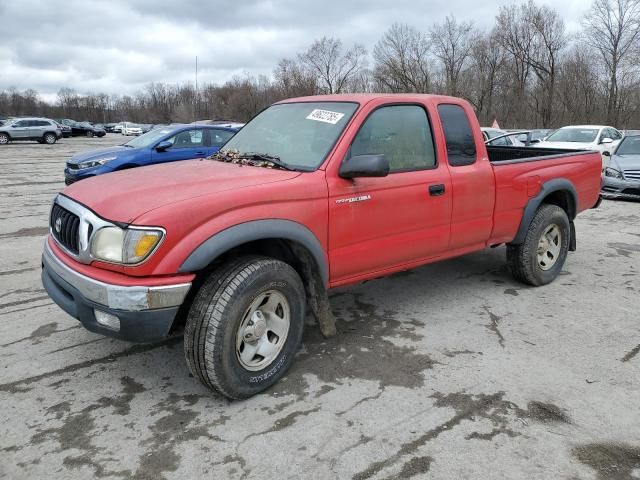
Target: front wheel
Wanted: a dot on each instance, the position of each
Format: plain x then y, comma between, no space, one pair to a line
4,138
540,257
90,134
245,326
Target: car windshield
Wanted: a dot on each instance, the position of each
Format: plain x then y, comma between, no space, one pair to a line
629,146
577,135
300,135
148,138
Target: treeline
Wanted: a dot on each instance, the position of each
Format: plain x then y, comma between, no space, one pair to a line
526,71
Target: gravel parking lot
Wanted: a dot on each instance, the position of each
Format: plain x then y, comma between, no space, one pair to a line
451,371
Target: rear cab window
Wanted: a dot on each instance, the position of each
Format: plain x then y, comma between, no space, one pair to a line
461,146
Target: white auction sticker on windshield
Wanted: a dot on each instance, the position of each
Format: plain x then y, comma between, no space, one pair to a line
325,116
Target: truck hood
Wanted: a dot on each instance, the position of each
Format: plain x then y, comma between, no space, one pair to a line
625,162
103,152
125,195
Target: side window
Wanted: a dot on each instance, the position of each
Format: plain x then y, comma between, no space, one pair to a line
402,133
615,134
22,124
219,137
187,139
461,148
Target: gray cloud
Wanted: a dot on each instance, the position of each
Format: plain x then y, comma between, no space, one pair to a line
119,46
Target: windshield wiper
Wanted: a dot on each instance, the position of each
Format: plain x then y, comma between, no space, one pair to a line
265,157
250,158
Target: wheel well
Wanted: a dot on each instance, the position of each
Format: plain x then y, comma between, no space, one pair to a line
48,132
288,251
563,199
7,134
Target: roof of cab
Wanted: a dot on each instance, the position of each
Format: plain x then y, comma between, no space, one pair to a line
363,98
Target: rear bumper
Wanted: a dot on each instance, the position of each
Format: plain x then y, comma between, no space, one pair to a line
144,314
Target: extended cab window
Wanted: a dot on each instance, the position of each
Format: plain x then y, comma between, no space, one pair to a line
400,132
461,148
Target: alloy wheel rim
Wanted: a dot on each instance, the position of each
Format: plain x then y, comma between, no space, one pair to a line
549,247
263,330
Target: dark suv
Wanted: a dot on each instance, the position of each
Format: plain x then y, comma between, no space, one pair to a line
42,130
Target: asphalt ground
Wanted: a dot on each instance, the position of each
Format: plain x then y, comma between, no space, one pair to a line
450,371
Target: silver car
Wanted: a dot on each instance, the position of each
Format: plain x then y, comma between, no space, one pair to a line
41,130
621,178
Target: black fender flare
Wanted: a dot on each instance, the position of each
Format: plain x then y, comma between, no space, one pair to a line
555,185
235,236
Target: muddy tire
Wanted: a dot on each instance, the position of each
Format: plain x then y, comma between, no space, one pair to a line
4,138
49,138
540,257
245,326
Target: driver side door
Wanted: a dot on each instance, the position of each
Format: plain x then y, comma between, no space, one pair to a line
20,129
185,144
401,220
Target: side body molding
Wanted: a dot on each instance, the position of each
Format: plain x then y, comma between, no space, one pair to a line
557,184
256,230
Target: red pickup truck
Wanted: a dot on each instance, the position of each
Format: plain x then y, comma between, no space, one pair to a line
313,193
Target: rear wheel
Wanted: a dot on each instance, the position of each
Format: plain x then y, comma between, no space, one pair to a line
49,138
540,257
4,138
245,326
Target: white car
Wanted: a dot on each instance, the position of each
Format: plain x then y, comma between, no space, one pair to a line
503,138
585,137
131,129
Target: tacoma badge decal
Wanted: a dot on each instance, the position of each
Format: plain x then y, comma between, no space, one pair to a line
361,198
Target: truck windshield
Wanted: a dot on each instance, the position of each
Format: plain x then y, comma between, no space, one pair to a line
300,135
579,135
629,146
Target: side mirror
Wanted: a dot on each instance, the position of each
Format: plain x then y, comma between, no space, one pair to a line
606,140
365,166
606,153
164,145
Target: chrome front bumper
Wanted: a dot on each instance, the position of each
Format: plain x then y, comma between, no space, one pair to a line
118,297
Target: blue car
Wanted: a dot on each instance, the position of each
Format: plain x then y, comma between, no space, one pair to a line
165,144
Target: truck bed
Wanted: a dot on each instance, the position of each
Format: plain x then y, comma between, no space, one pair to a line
520,173
503,154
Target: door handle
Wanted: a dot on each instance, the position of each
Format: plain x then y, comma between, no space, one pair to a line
436,190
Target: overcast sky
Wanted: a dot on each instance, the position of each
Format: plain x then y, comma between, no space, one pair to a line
118,46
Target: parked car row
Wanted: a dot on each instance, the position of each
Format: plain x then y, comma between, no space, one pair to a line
161,145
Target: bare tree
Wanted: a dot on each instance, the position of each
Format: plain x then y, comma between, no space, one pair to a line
487,62
612,27
535,36
452,43
402,60
294,80
333,68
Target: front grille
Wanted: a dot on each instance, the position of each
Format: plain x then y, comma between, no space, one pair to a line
632,174
65,227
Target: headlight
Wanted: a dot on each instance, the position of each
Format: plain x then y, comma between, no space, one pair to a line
96,162
127,246
612,172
